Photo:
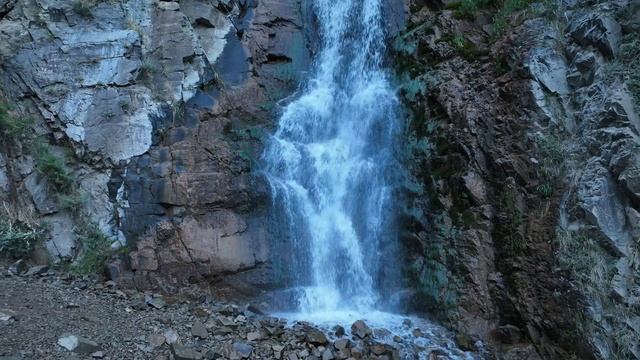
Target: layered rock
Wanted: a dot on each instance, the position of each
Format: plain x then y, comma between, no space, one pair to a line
163,105
520,226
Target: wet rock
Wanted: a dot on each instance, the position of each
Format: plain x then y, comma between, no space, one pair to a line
199,330
97,355
78,344
315,336
181,352
360,329
242,350
342,344
338,330
327,355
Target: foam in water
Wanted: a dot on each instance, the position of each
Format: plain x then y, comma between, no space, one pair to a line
331,162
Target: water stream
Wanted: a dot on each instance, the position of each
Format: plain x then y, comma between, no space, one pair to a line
333,170
331,161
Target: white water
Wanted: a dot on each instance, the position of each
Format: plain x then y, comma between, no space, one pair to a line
332,169
331,160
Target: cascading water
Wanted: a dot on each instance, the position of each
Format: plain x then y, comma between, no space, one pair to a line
332,168
331,162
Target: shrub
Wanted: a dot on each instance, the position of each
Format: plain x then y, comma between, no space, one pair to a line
18,237
12,127
54,168
82,8
96,249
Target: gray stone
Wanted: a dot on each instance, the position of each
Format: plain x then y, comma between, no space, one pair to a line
254,335
315,336
156,340
604,205
18,268
360,329
6,315
78,344
37,270
155,301
97,355
327,355
171,336
242,349
181,352
199,330
598,30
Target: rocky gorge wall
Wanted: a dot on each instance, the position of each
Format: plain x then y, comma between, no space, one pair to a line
521,225
521,219
153,112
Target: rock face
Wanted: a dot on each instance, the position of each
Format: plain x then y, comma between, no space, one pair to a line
151,98
520,227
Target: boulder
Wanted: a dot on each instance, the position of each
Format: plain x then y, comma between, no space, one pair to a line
360,329
598,30
315,336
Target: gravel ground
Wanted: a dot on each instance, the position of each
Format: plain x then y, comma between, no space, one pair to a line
38,310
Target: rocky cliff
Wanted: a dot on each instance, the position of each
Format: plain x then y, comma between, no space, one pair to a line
521,219
140,123
152,112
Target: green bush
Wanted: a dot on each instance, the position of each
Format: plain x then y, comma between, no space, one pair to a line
12,127
18,238
506,9
54,168
96,249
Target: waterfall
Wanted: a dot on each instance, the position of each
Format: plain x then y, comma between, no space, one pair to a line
331,164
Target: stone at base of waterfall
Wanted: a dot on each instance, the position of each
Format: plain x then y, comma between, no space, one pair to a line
78,344
315,336
327,355
237,350
339,330
360,329
342,344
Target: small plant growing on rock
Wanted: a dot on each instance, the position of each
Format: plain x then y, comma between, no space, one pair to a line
96,249
82,8
11,126
18,237
53,168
